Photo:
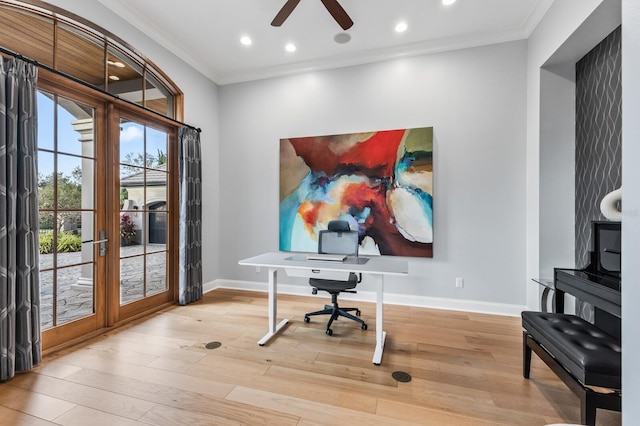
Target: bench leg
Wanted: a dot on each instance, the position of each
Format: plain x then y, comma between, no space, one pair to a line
526,356
589,400
588,405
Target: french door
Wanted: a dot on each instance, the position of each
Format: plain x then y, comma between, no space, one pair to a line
145,181
73,223
105,192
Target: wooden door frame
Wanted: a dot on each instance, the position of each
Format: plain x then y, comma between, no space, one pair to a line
107,114
118,313
60,335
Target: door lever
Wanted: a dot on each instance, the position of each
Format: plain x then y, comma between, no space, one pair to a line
103,243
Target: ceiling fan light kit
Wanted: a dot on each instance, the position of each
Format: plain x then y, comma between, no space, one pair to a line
332,6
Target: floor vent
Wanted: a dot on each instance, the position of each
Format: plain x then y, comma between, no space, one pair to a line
401,376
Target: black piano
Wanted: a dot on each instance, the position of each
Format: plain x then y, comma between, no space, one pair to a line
599,282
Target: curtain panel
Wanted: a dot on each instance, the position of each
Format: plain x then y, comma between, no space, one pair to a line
190,184
20,344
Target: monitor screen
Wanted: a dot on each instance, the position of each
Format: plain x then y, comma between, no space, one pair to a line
343,242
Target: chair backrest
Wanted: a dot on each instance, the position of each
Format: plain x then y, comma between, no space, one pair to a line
338,239
338,225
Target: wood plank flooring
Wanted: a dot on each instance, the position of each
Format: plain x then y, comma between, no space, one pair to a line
466,370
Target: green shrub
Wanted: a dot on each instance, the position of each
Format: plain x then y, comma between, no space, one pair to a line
67,242
46,242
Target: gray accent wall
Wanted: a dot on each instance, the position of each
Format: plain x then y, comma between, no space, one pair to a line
598,135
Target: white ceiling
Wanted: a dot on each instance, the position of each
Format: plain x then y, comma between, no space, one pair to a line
206,34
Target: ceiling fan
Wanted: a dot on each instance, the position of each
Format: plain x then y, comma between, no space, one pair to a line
332,6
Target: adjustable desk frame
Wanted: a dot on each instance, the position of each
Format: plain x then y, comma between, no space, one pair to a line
377,266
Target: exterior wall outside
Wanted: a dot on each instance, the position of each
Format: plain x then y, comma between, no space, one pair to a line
136,195
154,194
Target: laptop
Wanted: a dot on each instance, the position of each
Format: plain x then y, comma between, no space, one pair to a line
335,246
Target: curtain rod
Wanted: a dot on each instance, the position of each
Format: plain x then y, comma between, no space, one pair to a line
91,86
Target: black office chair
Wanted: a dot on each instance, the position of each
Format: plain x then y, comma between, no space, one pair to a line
338,239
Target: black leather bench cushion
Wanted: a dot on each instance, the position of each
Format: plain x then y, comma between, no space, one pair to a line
591,355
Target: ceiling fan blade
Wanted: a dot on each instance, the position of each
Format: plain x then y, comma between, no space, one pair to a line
338,13
284,12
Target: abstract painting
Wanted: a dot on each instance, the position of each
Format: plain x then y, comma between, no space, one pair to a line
380,182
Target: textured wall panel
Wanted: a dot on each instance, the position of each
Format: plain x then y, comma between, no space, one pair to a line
598,135
598,141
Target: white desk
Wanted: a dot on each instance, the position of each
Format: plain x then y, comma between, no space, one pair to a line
378,266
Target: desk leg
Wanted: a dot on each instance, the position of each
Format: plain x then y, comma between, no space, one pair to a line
273,308
380,333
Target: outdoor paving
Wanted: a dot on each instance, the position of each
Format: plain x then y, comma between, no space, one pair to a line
75,300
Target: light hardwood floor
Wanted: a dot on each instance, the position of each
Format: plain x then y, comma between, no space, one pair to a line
466,370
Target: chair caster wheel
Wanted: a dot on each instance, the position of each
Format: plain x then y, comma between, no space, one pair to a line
307,319
363,326
329,332
358,313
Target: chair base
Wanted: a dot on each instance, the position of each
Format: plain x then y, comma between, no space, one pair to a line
336,311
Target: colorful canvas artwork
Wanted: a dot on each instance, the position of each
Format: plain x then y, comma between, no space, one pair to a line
380,182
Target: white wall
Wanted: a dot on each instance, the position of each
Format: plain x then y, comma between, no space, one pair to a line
475,101
557,42
557,172
631,211
200,110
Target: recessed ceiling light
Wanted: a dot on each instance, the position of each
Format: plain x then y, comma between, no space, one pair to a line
116,63
246,40
114,77
290,47
401,27
448,2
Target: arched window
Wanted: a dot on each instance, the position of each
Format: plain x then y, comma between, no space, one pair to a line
87,53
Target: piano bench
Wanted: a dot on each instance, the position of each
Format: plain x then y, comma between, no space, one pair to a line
584,357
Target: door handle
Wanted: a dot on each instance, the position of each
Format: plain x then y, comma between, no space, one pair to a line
103,243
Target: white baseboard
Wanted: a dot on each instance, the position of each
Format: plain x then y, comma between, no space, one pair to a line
390,298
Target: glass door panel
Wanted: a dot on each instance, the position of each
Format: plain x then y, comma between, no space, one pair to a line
156,277
69,269
105,196
143,214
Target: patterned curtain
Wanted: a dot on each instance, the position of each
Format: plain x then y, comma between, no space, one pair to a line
20,348
189,177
